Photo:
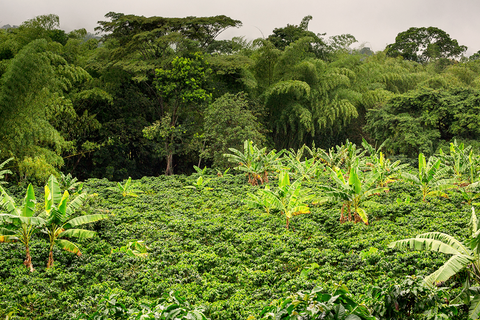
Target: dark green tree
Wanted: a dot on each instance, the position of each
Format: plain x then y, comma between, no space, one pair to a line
182,91
425,44
229,121
419,120
283,37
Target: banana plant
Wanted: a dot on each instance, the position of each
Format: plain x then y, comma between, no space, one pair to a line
289,198
470,193
387,171
353,192
303,169
70,183
465,256
263,200
128,189
19,223
255,162
199,171
134,248
200,184
60,223
430,177
462,161
330,158
5,171
352,155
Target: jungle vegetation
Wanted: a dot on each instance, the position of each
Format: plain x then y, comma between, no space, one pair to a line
153,171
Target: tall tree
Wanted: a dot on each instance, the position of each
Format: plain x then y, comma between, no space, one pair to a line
181,89
425,44
31,97
283,37
307,97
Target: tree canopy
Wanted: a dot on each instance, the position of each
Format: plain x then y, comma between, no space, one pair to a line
425,44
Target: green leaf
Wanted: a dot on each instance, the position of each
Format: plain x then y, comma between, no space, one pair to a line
78,233
85,219
433,241
69,246
474,310
29,202
55,193
454,265
363,215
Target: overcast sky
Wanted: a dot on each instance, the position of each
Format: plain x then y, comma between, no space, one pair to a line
374,23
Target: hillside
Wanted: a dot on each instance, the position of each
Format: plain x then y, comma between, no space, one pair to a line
216,252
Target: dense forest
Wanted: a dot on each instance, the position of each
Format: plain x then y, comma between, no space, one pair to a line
153,171
152,96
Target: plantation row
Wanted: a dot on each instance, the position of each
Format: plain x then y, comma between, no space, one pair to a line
264,245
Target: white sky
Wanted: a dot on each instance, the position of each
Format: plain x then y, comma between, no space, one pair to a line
374,23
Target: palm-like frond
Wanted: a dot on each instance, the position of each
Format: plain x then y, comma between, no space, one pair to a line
78,233
53,193
5,171
69,246
433,241
58,211
75,204
474,310
410,178
84,220
430,178
454,265
28,207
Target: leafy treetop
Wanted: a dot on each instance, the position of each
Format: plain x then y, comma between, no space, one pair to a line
425,44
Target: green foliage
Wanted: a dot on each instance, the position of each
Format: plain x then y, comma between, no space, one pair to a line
283,37
215,252
255,162
136,248
289,198
462,161
19,222
424,44
31,101
419,120
127,189
129,29
352,191
410,298
66,100
200,184
386,170
170,307
69,183
464,257
180,87
60,220
303,170
317,304
431,179
308,96
4,171
228,123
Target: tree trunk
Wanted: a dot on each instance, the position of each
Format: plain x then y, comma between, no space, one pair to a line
28,260
50,259
169,170
342,218
349,212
